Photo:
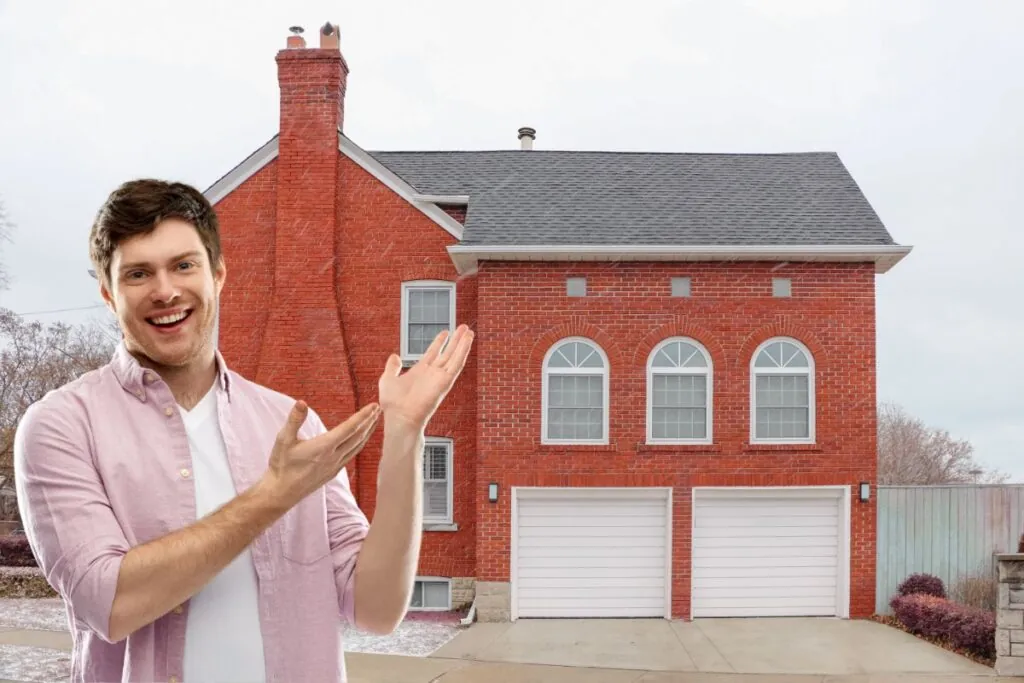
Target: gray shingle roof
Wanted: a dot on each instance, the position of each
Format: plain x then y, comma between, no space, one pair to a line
541,197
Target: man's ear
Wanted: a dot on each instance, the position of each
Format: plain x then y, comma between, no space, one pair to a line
108,297
220,274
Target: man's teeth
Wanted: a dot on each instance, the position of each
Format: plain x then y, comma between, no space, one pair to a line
169,319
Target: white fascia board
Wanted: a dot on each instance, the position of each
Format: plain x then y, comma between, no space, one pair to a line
467,257
268,152
456,199
398,186
245,170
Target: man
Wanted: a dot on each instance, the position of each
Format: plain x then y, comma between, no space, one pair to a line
200,527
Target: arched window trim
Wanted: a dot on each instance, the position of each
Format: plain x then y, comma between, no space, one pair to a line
546,372
708,371
810,371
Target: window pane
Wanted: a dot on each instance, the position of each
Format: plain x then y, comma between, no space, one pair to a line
435,594
435,499
679,423
435,462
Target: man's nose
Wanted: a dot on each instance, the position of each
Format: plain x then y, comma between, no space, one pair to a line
164,288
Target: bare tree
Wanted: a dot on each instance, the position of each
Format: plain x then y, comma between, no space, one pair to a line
35,359
910,452
6,229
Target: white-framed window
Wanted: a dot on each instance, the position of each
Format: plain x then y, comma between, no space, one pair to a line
428,307
430,594
782,392
679,389
438,464
574,393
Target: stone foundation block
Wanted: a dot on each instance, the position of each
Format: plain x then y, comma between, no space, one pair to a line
493,601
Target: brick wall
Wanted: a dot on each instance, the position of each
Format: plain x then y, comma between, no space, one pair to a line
523,310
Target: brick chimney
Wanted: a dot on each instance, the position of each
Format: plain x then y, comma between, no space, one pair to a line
304,352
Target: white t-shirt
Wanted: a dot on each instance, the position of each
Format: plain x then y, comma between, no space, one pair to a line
223,641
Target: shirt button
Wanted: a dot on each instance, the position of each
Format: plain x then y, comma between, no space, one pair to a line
178,609
140,393
185,474
168,411
149,377
172,679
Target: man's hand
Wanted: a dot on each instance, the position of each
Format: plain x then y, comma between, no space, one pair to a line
297,467
413,397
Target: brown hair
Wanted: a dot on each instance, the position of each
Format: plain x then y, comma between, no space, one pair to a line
137,206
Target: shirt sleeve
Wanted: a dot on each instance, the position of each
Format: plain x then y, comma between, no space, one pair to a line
67,515
347,527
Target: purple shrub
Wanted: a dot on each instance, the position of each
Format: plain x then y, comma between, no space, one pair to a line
922,584
968,628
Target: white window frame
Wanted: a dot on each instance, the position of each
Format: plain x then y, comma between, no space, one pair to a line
409,286
708,372
432,579
546,372
811,398
450,465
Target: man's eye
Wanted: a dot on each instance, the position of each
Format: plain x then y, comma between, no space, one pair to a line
184,265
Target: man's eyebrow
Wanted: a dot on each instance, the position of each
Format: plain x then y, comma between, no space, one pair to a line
142,264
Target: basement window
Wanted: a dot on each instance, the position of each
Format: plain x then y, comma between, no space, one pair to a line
576,286
782,287
431,594
680,286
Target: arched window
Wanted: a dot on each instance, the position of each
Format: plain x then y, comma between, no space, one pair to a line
575,393
679,379
782,392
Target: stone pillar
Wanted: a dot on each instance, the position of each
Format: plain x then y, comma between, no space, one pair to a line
1010,618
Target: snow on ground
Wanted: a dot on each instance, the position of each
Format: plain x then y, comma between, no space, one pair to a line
46,614
418,636
34,664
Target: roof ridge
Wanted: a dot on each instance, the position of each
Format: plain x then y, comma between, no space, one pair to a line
597,151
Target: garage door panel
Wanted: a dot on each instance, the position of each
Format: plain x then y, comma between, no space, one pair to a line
746,571
655,571
733,532
569,552
765,552
569,584
622,561
775,521
757,582
614,534
758,554
577,556
591,521
783,541
623,544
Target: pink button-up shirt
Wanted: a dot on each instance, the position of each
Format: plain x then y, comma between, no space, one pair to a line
103,464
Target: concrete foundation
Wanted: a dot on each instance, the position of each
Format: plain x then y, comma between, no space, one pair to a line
493,601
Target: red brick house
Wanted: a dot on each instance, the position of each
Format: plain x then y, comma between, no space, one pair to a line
670,407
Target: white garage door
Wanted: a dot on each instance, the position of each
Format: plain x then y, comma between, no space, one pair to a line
761,553
590,553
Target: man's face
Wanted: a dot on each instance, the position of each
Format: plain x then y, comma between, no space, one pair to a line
164,291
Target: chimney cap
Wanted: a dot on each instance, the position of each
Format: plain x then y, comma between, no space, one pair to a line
297,30
327,29
526,131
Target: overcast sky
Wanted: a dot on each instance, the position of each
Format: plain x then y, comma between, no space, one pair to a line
924,102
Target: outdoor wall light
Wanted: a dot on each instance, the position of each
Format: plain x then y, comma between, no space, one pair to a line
865,492
492,492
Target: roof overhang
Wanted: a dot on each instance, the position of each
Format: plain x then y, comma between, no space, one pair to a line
428,205
467,257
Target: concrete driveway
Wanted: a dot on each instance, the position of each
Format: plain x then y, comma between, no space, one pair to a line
823,647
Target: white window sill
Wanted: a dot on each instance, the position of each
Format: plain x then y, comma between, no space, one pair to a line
434,526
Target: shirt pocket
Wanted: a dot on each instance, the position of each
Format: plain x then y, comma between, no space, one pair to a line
304,531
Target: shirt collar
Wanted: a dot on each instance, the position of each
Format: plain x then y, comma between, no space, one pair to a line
135,379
